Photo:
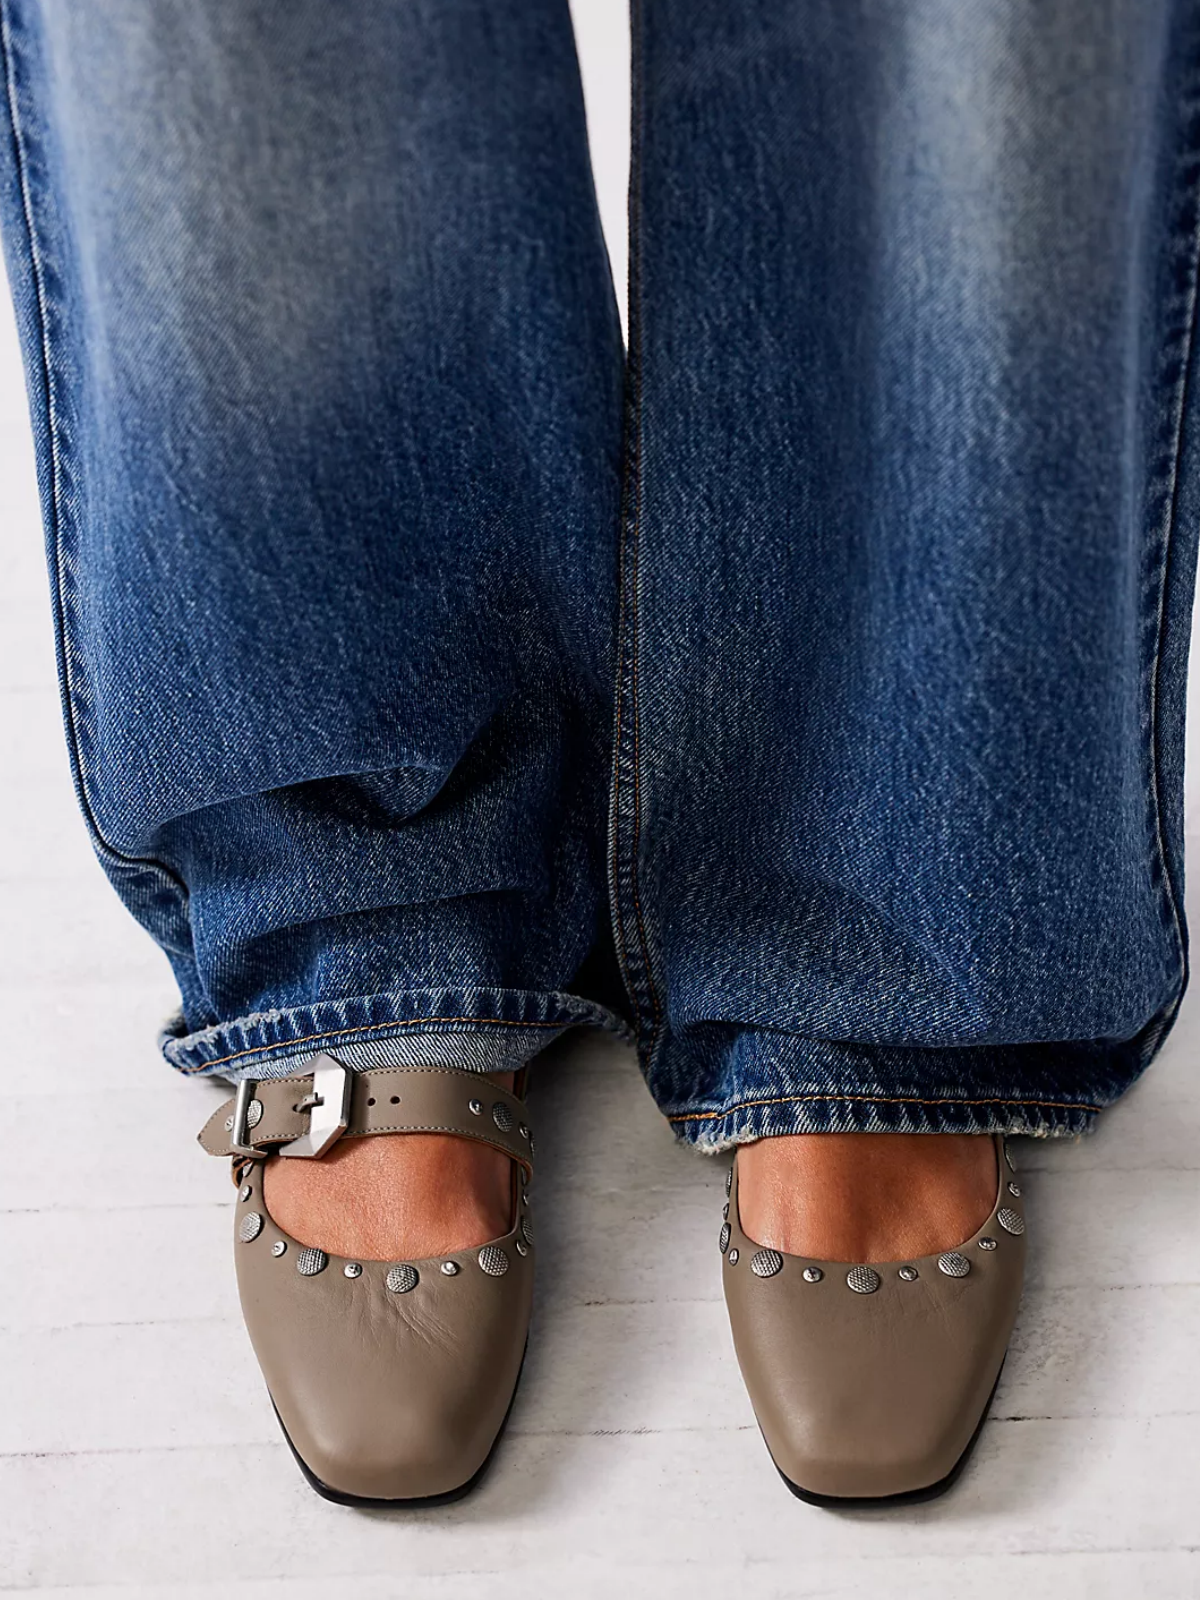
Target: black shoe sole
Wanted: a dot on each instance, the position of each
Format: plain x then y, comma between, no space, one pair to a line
908,1497
413,1503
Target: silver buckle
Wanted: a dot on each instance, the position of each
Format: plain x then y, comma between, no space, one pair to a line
328,1106
239,1135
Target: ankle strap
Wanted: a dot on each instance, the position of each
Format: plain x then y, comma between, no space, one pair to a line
314,1110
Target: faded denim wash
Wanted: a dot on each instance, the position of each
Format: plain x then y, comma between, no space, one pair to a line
836,646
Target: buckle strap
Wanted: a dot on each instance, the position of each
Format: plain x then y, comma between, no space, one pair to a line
307,1114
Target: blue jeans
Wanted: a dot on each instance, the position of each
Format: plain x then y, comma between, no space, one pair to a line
834,646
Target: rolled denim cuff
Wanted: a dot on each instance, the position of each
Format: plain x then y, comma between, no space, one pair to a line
783,1083
482,1030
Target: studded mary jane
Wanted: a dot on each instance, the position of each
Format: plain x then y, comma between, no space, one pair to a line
870,1383
391,1380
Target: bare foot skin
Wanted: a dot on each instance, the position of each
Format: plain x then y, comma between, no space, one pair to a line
395,1196
866,1196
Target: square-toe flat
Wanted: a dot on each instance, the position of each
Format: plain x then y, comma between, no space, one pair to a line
870,1382
391,1380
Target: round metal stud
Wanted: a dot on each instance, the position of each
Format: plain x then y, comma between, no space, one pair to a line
723,1241
986,1243
502,1116
493,1260
812,1274
725,1211
766,1263
309,1262
254,1113
401,1278
1010,1221
909,1274
475,1107
523,1131
250,1227
522,1247
863,1280
527,1229
954,1264
229,1123
1012,1165
353,1269
1015,1190
279,1248
733,1257
247,1191
728,1175
449,1269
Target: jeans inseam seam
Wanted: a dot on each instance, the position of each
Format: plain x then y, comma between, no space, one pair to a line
377,1028
631,533
58,440
878,1100
1164,563
618,915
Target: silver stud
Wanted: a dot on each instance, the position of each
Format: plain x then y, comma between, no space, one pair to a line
1010,1221
475,1107
723,1241
449,1269
863,1280
728,1175
309,1262
279,1248
1015,1190
909,1274
254,1113
522,1247
733,1257
502,1116
527,1229
493,1260
250,1227
987,1244
523,1131
725,1211
353,1269
229,1123
401,1278
954,1264
247,1191
812,1274
766,1263
1012,1165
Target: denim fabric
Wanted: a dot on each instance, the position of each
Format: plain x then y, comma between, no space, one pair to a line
908,557
325,372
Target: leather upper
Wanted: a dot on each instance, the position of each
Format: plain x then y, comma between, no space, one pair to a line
878,1393
392,1379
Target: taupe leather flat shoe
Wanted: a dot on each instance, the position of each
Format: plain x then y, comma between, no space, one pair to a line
871,1383
392,1380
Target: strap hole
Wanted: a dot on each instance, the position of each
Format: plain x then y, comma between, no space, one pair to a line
371,1100
395,1099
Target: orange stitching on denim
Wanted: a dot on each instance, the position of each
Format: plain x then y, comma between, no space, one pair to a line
368,1027
879,1100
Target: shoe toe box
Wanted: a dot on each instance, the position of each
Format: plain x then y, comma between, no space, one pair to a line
870,1396
384,1395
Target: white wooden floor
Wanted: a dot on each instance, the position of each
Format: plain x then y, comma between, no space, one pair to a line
138,1453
